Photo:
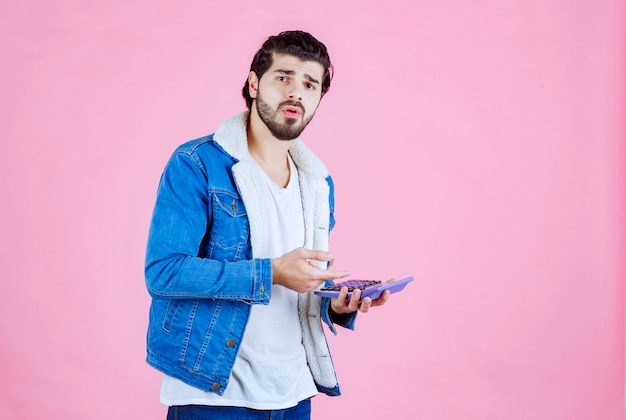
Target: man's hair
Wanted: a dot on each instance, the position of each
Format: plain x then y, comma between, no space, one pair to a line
297,43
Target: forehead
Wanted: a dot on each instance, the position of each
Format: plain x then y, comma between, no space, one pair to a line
290,62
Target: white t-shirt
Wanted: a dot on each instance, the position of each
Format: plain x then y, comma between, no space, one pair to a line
270,371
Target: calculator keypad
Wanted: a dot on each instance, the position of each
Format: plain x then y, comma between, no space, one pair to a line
352,285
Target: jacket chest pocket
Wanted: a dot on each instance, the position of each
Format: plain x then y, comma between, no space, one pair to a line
229,223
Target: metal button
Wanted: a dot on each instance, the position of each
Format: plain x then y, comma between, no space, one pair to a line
230,343
216,387
234,205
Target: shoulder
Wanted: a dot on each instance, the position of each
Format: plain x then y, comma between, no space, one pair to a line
196,146
201,150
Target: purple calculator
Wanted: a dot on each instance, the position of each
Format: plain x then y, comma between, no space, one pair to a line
369,288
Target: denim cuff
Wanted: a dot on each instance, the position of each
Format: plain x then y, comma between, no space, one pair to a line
331,319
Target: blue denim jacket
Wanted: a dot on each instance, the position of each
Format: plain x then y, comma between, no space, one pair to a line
201,271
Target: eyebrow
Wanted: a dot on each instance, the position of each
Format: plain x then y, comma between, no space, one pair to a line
291,72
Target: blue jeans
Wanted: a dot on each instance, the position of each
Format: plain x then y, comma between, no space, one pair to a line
302,411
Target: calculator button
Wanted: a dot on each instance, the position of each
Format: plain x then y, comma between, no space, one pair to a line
352,285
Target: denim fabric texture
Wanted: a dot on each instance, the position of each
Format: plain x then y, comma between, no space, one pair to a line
197,412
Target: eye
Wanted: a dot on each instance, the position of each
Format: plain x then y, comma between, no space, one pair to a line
310,86
281,78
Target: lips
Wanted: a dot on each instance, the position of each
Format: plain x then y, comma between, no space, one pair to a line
291,111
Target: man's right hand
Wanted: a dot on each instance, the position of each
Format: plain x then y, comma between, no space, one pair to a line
297,271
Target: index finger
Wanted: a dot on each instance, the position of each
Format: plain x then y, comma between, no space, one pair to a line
334,275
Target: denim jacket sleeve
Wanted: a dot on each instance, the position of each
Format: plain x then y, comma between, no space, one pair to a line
177,263
346,320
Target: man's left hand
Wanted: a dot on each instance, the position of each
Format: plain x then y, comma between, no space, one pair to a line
342,305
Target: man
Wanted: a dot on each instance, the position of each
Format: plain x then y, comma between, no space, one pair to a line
238,242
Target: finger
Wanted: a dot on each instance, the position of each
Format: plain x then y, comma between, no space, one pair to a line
326,273
333,275
311,254
340,303
366,304
384,297
312,263
343,296
355,300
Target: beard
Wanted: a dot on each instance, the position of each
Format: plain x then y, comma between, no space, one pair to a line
287,130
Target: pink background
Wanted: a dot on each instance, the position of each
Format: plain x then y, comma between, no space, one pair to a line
478,146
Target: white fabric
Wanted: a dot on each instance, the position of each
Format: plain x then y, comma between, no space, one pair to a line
271,370
315,190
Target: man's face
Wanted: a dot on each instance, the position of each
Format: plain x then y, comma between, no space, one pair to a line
287,95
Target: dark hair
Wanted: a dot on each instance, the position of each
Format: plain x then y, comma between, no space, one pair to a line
297,43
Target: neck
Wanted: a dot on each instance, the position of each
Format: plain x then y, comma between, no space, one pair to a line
268,151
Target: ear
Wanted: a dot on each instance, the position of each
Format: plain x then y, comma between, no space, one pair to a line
253,84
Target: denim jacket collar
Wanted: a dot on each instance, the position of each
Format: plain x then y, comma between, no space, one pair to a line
232,137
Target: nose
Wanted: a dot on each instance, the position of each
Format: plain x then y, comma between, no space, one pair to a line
295,93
